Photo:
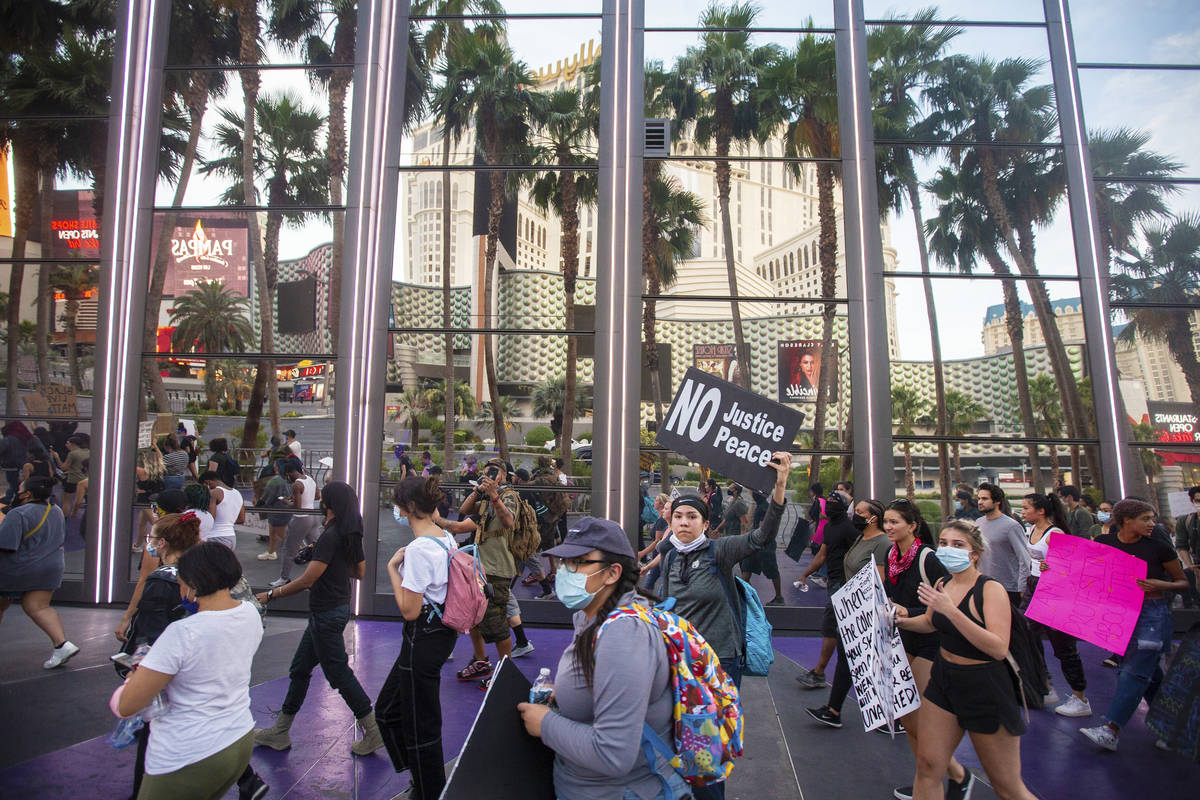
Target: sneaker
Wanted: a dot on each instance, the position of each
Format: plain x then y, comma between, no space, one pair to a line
474,671
532,579
818,581
484,684
253,789
137,548
60,655
801,585
1051,697
896,730
778,601
523,650
1161,744
546,595
960,791
1074,707
1103,736
268,556
275,584
825,716
1113,661
902,793
812,680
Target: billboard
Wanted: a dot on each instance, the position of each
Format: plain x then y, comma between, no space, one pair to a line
800,371
297,305
207,248
1175,423
5,197
719,360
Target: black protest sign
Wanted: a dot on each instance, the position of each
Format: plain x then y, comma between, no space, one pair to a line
728,429
500,760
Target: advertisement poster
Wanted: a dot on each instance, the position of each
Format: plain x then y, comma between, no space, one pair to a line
800,371
719,360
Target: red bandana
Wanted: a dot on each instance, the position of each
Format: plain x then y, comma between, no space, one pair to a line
896,564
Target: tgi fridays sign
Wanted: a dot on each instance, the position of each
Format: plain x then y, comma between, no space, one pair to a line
728,429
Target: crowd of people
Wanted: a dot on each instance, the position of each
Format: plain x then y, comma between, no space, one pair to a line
956,596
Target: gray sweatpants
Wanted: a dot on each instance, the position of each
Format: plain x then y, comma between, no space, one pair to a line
302,529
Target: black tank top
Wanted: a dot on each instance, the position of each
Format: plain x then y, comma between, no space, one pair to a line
952,639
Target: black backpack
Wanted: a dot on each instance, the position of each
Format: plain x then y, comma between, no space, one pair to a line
1027,662
227,468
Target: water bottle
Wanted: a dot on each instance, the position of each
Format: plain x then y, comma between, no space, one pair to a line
542,688
125,733
158,706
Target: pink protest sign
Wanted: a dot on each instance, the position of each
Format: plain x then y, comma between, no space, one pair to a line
1090,592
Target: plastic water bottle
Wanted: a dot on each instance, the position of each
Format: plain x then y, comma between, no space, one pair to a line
158,706
125,733
542,688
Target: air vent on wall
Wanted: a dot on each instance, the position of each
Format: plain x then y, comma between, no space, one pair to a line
657,140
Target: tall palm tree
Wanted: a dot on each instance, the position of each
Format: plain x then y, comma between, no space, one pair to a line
493,89
726,68
288,160
412,403
565,125
958,235
902,60
550,400
211,319
907,409
74,281
962,412
1046,405
234,380
1166,272
799,94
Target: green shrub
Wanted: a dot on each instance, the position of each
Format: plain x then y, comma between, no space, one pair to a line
539,436
235,437
292,414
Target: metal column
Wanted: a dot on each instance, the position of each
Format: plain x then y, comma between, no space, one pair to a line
1093,276
381,52
871,408
619,269
133,139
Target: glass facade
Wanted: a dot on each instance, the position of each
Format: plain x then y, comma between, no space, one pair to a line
932,231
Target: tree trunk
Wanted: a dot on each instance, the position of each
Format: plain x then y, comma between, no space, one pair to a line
71,317
651,276
569,220
935,341
1179,342
910,486
958,473
1015,323
495,209
448,351
724,114
45,298
827,249
26,176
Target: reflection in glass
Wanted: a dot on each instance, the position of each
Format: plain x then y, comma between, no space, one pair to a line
1158,103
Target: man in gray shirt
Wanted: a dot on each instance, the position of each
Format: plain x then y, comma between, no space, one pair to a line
1006,557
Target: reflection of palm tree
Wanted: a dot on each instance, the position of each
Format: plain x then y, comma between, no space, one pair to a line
211,319
727,67
505,411
907,408
234,382
958,235
1044,395
962,413
462,399
902,59
411,405
566,124
550,400
1151,462
1166,273
496,92
74,281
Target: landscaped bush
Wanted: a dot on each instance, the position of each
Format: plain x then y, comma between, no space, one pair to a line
539,436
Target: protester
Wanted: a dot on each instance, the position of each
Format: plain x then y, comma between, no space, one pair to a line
660,530
227,508
37,460
409,709
199,499
201,664
1103,520
1045,515
1006,557
74,467
275,495
910,564
222,463
845,489
716,506
169,501
337,558
175,462
817,521
32,562
1140,673
964,506
291,443
541,511
766,561
149,482
735,517
1079,519
839,535
607,689
302,529
871,548
14,443
1187,528
970,688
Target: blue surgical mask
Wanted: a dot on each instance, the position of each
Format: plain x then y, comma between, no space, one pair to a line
398,515
571,588
1104,516
958,505
190,606
953,558
151,550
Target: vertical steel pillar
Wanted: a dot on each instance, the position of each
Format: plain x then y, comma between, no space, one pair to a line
871,408
132,161
381,52
1093,276
619,271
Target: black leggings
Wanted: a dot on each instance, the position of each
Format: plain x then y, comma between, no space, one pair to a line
841,678
409,709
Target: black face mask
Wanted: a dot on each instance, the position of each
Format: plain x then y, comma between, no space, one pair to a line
860,523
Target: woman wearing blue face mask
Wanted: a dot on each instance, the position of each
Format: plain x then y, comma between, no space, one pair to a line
1104,520
606,688
970,688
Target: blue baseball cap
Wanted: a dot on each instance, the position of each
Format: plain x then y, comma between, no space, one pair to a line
592,533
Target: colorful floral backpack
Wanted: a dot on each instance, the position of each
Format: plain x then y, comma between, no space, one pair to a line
707,716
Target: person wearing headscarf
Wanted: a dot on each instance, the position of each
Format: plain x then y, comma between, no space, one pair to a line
337,557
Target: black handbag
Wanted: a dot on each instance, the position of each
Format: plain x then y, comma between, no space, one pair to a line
799,540
304,554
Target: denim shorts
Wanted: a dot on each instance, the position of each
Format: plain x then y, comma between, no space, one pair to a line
678,786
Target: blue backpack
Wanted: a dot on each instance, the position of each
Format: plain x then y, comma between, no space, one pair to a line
649,515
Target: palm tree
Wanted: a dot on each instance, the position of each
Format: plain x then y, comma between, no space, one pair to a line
234,381
799,92
1122,205
958,235
462,399
962,413
412,403
1044,394
726,68
550,400
211,319
1149,459
903,59
289,161
74,282
907,409
566,125
495,90
1166,273
486,415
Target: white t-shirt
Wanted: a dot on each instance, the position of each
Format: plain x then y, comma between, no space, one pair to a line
209,655
308,497
1039,550
206,523
227,512
425,569
294,446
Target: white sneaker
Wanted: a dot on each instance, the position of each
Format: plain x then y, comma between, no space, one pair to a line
60,655
275,584
522,651
1074,707
1051,697
1103,736
268,556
